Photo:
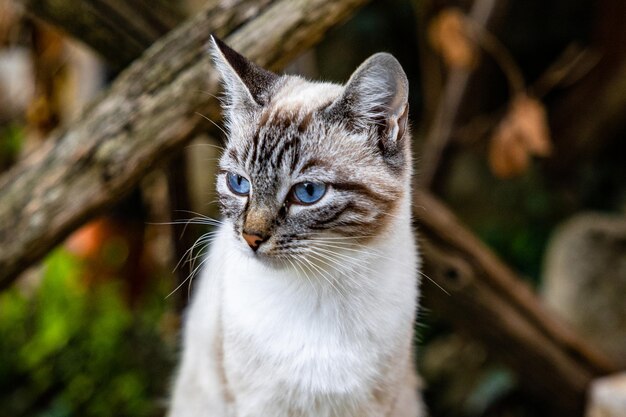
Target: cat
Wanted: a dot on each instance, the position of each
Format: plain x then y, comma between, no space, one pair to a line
306,305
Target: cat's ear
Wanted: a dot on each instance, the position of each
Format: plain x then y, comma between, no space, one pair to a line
246,85
377,95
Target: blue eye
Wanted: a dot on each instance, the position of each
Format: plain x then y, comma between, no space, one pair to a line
308,192
238,184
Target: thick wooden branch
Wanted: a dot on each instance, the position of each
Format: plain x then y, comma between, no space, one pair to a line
484,298
119,30
151,110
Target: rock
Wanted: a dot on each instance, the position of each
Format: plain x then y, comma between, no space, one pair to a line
585,279
17,87
608,397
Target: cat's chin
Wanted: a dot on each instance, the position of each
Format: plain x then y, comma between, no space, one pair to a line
267,258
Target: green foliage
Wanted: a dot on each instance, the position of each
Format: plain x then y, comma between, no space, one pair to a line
11,140
69,350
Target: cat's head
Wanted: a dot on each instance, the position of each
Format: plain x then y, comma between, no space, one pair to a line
310,164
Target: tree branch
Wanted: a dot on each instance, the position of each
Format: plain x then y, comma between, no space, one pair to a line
150,111
487,300
119,30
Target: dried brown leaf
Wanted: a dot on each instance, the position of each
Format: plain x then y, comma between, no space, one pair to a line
529,116
508,155
522,132
449,35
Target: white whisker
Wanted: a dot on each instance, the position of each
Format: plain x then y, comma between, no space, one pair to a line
304,272
214,123
211,145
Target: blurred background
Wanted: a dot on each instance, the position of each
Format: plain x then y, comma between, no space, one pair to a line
518,113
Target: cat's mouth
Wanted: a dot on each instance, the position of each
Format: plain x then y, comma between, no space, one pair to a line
270,253
269,257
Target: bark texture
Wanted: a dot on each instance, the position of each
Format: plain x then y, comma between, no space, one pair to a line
151,110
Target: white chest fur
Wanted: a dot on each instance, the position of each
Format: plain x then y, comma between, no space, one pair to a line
296,345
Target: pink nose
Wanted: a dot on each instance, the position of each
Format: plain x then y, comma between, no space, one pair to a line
253,240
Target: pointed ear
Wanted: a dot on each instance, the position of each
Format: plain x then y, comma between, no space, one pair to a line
377,95
246,85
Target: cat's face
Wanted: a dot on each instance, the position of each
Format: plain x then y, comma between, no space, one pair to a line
311,166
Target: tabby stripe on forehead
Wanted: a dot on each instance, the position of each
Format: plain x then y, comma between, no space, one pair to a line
268,152
264,117
280,125
261,153
305,122
255,138
246,151
295,157
288,145
251,155
232,152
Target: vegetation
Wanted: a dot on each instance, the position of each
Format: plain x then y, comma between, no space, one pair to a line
71,349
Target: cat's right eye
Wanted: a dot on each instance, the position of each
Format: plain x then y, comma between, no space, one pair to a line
237,184
307,193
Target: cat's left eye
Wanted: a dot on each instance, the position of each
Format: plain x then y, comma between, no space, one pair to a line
308,192
237,184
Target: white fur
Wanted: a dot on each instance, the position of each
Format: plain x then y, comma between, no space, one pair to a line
298,93
294,347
